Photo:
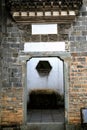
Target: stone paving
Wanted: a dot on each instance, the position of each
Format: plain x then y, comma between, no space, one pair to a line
45,115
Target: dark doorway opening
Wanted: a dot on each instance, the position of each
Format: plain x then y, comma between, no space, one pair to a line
45,97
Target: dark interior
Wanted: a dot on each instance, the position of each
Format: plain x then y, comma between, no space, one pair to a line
45,105
45,99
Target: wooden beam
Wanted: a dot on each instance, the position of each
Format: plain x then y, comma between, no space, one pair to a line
59,19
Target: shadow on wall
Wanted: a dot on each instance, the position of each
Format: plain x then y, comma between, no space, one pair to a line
45,99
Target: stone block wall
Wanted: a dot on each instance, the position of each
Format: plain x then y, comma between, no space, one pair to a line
78,32
78,86
11,89
11,84
78,66
12,103
11,45
62,34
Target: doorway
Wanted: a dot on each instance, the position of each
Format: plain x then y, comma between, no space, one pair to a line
45,90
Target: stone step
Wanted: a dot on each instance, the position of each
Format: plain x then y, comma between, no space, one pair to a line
45,126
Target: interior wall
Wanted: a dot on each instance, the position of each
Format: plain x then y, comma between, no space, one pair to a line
54,80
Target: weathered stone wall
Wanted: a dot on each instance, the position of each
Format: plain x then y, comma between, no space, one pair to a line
63,31
11,84
11,77
78,86
78,66
78,32
12,103
11,71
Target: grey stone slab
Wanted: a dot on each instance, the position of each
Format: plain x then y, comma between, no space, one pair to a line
34,116
47,118
45,115
52,126
33,127
45,126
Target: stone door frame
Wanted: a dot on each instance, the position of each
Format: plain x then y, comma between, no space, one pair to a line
22,60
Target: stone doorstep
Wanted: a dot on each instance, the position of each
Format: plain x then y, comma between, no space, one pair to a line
36,126
45,126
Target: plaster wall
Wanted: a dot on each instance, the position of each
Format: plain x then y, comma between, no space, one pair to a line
54,80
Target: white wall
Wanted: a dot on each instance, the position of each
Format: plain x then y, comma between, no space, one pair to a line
44,28
54,80
44,46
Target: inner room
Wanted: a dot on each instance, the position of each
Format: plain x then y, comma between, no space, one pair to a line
45,90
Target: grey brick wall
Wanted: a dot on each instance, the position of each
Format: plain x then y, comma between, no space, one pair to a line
12,41
62,35
11,45
11,90
78,32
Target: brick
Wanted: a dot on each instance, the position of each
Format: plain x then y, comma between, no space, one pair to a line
80,66
44,38
84,13
15,54
81,38
12,39
63,37
72,38
13,34
35,38
84,32
82,59
14,45
52,37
